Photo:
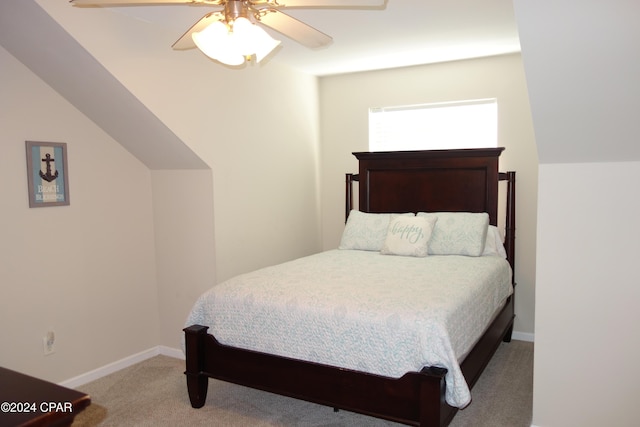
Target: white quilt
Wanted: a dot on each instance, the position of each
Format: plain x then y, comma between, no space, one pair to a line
381,314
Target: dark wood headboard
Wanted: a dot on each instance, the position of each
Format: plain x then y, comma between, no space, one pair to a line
434,181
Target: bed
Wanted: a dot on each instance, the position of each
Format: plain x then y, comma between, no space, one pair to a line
447,182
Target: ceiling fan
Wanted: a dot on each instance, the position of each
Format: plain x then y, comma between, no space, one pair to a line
230,34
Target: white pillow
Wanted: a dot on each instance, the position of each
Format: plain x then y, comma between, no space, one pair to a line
458,233
408,236
493,244
366,231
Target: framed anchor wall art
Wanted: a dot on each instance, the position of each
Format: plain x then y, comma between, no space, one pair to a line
47,174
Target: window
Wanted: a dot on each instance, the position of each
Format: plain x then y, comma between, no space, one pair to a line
466,124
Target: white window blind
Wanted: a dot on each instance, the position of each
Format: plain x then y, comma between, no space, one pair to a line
465,124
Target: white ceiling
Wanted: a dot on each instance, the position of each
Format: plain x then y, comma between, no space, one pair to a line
403,33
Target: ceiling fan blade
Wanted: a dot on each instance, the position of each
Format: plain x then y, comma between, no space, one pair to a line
347,4
294,29
186,41
141,2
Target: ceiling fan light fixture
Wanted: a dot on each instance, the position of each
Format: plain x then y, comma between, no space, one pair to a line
232,44
215,36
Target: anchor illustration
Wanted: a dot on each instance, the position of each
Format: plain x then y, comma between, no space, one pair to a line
47,176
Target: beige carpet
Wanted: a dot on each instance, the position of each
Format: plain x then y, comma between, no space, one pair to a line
153,393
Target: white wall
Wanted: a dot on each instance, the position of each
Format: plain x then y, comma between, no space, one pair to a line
185,245
345,100
582,66
587,341
86,270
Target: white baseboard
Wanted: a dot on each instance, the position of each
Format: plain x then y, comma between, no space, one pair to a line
176,353
523,336
121,364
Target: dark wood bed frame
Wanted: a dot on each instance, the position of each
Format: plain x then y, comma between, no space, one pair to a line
438,180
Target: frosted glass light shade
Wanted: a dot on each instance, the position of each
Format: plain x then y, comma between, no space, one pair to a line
264,43
232,47
215,42
243,36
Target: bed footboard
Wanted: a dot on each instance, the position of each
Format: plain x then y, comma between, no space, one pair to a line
414,399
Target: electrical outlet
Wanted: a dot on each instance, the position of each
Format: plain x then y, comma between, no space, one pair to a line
49,341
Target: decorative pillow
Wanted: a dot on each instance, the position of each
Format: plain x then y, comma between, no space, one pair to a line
494,245
408,236
366,231
458,233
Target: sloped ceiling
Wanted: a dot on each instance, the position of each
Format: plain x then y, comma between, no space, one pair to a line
583,72
77,76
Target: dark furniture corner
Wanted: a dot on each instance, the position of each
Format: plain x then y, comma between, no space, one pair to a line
29,401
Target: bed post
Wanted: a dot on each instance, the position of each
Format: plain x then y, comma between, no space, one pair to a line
510,225
349,194
434,411
197,382
511,216
510,237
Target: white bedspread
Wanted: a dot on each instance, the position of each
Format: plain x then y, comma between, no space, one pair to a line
381,314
